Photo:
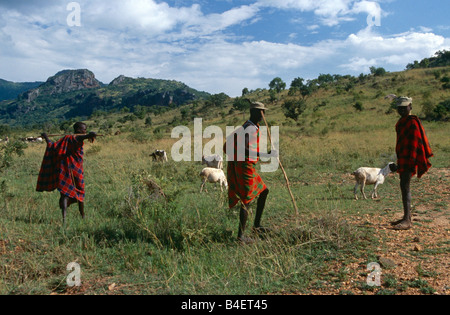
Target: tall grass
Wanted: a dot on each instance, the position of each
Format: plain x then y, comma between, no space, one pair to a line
185,242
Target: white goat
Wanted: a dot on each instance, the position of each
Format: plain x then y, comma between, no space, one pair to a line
33,139
159,155
371,176
213,161
213,175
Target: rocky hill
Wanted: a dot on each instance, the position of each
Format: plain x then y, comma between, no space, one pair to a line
77,94
63,82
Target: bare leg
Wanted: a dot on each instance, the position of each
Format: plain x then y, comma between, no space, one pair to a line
405,223
81,209
260,208
64,204
243,216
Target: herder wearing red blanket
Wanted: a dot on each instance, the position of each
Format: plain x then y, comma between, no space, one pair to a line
62,168
413,153
244,183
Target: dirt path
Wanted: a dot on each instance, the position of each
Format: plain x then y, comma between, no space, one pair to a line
412,262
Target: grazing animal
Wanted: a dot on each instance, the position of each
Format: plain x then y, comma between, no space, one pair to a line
390,97
159,155
213,175
33,139
371,176
213,161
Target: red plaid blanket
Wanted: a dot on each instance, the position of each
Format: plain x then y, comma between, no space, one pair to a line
244,183
413,149
62,168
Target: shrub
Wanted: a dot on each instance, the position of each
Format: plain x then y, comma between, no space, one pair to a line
358,106
293,109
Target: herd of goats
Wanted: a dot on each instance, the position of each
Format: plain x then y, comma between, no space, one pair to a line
213,172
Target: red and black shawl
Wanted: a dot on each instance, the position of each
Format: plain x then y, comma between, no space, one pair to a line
62,168
244,183
413,149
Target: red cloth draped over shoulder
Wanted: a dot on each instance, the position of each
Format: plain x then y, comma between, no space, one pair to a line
244,183
413,148
62,168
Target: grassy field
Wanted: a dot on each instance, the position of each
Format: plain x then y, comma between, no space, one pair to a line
134,243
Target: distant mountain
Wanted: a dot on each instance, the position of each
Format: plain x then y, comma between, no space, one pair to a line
77,93
10,90
63,82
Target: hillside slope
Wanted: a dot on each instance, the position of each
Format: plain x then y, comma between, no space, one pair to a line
77,94
10,90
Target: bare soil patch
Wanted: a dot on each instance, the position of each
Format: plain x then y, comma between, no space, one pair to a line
413,262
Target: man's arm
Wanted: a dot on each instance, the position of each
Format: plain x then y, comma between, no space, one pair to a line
91,136
44,135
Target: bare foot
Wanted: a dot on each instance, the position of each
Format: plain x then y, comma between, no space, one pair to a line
403,225
396,222
245,240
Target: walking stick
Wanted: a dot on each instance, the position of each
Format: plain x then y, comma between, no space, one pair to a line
281,166
72,135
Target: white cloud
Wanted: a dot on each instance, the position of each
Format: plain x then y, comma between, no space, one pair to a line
394,51
152,39
330,12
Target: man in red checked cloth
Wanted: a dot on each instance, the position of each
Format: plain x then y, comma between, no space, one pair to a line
62,168
413,153
244,183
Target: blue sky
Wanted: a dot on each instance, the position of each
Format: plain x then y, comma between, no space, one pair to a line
218,46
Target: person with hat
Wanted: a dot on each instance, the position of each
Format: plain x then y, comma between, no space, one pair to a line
413,153
244,182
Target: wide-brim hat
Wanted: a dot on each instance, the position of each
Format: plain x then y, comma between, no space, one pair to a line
257,105
403,101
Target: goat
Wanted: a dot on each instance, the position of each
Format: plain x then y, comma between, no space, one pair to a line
159,155
390,97
213,161
371,176
33,139
213,175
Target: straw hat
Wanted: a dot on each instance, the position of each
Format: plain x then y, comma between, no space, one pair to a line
257,105
404,101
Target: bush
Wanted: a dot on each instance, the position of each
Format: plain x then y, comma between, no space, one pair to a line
8,151
446,82
358,106
378,72
440,112
293,109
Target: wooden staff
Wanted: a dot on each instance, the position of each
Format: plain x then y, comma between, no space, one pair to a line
281,166
71,135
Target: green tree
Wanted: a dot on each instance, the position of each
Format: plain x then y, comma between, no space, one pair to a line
272,95
378,72
241,104
296,85
217,100
308,88
324,79
294,108
277,84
